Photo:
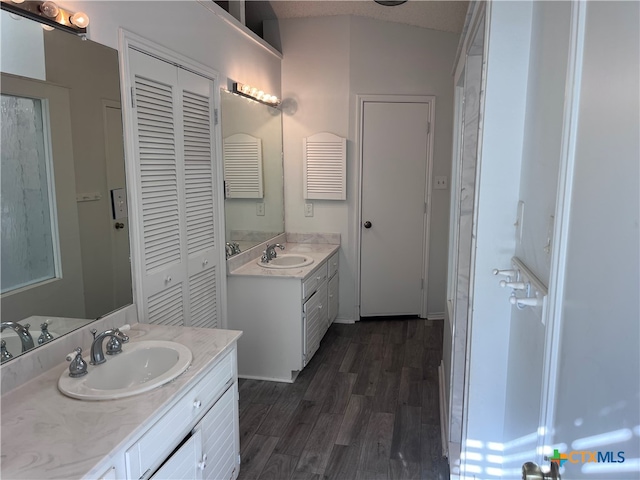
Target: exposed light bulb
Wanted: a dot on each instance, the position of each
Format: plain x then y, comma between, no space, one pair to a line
49,9
246,89
48,28
80,19
17,1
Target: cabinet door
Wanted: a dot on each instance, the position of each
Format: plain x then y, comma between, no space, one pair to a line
158,224
315,315
200,198
177,201
185,463
332,309
220,438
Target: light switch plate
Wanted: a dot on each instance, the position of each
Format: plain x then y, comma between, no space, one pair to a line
308,209
119,203
260,209
441,183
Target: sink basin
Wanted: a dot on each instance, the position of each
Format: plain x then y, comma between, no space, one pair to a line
142,366
287,260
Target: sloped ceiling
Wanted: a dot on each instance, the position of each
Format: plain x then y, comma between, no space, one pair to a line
447,16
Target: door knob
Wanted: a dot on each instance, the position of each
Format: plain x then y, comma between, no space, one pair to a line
531,471
367,224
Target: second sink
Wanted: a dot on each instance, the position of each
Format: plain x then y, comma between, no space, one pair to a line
287,260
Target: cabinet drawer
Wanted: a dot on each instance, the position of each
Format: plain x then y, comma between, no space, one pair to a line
333,264
310,285
158,442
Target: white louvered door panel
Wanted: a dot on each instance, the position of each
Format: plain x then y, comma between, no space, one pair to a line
200,199
219,435
159,188
243,166
325,167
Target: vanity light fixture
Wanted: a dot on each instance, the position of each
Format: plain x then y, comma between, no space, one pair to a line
48,13
256,94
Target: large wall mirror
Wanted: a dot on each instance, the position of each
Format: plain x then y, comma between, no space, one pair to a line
253,171
65,233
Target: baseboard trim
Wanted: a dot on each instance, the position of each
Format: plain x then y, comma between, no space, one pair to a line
344,321
444,435
435,316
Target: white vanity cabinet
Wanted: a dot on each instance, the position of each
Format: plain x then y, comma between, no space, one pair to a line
332,288
283,314
198,438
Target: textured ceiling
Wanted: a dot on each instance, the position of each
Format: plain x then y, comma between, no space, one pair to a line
438,15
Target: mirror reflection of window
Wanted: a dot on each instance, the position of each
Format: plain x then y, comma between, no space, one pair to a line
27,232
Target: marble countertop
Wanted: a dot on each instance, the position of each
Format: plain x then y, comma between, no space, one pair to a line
318,251
48,435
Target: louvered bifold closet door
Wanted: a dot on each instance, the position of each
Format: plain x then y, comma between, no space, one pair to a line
200,199
159,192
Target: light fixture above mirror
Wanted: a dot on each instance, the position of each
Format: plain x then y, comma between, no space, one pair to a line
256,94
50,14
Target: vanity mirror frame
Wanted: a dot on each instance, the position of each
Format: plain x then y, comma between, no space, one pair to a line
90,152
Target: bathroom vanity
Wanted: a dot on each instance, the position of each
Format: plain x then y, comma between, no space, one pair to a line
189,425
283,312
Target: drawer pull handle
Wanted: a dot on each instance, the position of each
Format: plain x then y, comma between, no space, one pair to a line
168,279
318,278
205,263
319,307
197,404
203,464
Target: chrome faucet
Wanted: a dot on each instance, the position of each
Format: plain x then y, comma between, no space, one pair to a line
23,333
97,354
232,248
270,253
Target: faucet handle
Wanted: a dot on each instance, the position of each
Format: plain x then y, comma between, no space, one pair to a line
77,367
4,353
94,331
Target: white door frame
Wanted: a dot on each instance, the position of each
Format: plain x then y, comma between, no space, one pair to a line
357,231
126,40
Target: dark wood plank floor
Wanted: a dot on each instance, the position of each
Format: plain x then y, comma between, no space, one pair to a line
365,408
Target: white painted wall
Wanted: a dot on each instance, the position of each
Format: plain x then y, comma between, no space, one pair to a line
549,54
599,365
497,184
197,29
327,62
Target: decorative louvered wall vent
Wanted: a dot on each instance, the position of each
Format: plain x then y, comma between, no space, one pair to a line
325,167
243,166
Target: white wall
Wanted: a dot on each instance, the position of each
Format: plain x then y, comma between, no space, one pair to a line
497,186
195,29
327,62
599,366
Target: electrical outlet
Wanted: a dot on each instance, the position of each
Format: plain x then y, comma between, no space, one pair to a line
441,183
308,209
260,209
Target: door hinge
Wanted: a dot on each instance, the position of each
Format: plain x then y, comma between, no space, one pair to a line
425,207
422,284
238,459
428,127
133,98
215,116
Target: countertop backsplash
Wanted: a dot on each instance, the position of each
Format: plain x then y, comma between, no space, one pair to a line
31,364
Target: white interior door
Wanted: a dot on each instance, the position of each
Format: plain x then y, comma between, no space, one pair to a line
395,149
114,156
